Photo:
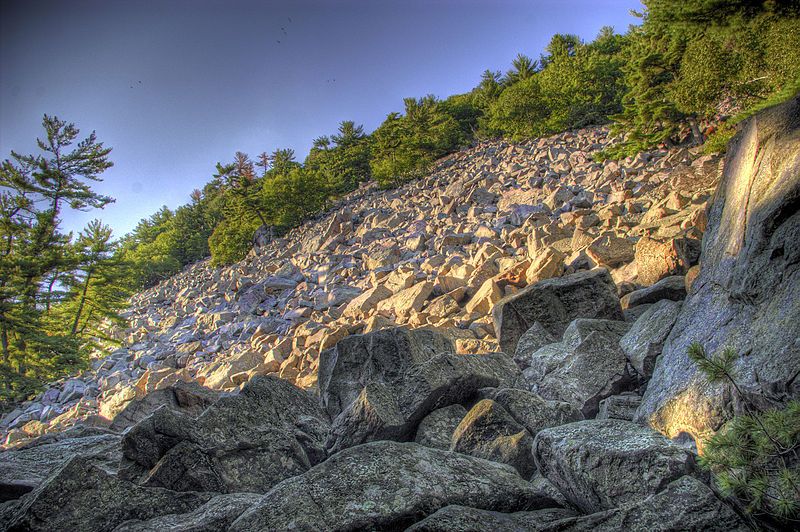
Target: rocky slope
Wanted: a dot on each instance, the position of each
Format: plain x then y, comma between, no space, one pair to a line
464,353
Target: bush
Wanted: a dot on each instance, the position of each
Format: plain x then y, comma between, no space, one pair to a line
755,457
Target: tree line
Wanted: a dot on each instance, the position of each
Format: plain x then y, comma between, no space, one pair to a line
659,84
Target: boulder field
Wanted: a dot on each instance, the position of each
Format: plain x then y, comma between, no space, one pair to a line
500,345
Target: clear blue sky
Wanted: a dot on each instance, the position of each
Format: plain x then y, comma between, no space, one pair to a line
176,85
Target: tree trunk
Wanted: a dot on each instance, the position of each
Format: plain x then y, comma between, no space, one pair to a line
4,342
81,304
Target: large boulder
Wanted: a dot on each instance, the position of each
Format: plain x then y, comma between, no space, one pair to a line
188,397
82,496
436,429
216,514
685,504
587,366
599,465
393,410
554,303
747,294
380,356
488,431
533,412
388,485
22,470
251,441
643,343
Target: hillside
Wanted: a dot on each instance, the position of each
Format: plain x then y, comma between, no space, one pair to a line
438,252
545,302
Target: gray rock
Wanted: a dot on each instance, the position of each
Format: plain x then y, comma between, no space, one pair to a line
22,470
462,518
643,343
747,294
188,397
685,504
392,411
533,412
599,465
436,429
554,303
380,356
672,288
531,341
621,406
388,485
488,431
81,496
216,514
585,368
270,431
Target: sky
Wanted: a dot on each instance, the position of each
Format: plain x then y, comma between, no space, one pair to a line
175,86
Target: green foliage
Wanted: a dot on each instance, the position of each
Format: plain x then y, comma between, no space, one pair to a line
754,457
50,283
341,162
232,239
579,85
404,146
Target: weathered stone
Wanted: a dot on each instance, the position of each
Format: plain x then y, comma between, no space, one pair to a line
621,406
408,300
188,397
456,517
659,258
488,431
216,514
610,251
599,465
531,341
380,356
436,429
270,431
81,496
533,412
586,367
672,288
643,343
22,470
383,485
747,294
393,410
554,303
363,304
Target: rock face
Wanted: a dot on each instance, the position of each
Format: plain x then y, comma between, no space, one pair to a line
386,485
600,465
747,294
216,514
554,303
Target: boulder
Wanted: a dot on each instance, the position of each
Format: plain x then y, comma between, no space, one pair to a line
531,341
270,431
488,431
554,303
188,397
672,288
82,496
747,294
393,410
584,368
622,406
405,301
388,485
657,258
643,343
380,356
533,412
685,504
610,251
599,465
216,514
360,306
456,517
22,470
436,429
